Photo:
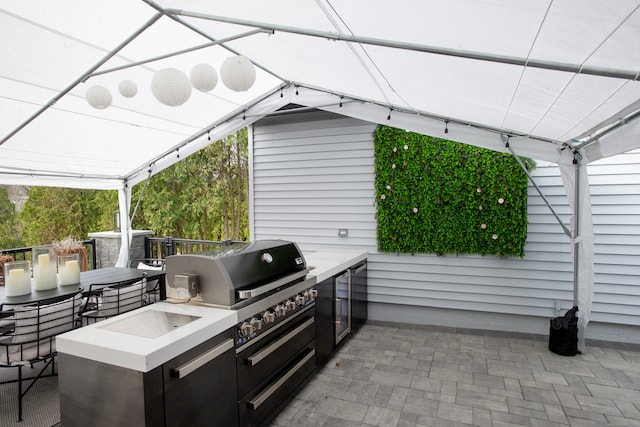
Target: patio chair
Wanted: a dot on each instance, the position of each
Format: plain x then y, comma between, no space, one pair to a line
110,299
31,339
152,287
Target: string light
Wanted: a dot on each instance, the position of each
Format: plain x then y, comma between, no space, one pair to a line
389,116
446,128
341,101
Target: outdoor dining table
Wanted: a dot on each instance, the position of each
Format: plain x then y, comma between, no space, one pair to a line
35,297
97,277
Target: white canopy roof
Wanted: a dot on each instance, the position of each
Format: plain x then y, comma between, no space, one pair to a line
550,74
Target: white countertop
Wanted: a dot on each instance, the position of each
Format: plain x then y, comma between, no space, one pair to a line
143,354
328,264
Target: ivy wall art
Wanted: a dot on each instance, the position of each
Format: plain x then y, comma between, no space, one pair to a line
442,197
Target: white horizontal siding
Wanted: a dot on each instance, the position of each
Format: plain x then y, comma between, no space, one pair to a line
313,174
615,193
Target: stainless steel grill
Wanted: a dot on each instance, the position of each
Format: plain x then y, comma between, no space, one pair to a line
266,283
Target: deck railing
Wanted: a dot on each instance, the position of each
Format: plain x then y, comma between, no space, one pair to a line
23,254
162,247
155,248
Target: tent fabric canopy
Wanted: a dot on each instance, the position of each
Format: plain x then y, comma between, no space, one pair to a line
549,73
558,80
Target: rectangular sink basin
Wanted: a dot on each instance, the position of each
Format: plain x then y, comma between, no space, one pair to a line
150,323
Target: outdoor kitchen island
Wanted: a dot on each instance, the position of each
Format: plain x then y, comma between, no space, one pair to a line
170,364
125,371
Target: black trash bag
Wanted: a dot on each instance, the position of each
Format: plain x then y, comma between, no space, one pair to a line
563,334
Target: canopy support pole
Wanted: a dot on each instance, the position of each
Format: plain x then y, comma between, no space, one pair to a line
84,75
179,52
535,185
632,75
576,183
576,229
126,234
581,236
605,130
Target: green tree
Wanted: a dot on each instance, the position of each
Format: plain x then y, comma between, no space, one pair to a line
204,196
52,213
232,186
106,203
9,235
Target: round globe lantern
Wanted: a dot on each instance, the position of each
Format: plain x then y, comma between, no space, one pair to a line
128,88
238,73
98,97
171,87
204,77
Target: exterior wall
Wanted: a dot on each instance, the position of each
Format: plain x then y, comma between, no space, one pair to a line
313,174
311,178
615,193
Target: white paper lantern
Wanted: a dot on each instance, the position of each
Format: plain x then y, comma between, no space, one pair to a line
238,73
171,87
204,77
128,88
98,97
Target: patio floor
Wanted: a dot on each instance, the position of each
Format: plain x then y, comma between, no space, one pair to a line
404,375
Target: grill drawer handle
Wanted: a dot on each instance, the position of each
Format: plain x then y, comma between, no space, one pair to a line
271,286
192,365
256,358
262,397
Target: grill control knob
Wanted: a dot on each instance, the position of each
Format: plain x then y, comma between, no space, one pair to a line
281,310
300,299
267,258
291,305
246,329
256,324
268,317
314,293
307,295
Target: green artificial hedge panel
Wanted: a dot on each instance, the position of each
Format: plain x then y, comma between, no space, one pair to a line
443,197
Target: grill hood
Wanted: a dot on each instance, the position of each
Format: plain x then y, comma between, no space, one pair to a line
238,272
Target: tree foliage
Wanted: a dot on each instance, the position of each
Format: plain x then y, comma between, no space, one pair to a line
204,196
52,213
9,234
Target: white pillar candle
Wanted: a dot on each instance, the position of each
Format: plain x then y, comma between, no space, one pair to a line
43,261
44,273
18,283
69,273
